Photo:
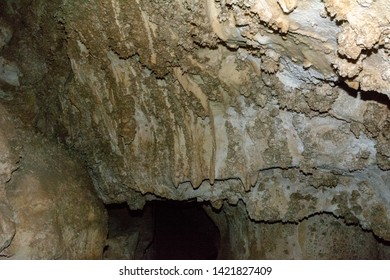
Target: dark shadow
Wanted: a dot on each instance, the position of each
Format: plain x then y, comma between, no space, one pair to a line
166,230
183,231
375,96
366,95
381,240
121,219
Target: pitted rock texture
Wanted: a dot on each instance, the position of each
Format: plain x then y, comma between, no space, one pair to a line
281,107
49,209
220,115
363,44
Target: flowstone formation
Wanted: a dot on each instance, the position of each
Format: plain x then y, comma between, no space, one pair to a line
275,113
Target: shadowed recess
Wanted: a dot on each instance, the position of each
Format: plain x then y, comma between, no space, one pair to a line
162,230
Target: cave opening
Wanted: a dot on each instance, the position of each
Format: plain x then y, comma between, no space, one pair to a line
163,230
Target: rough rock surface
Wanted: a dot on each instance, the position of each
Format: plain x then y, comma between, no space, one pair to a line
364,43
281,107
8,164
49,209
321,236
223,116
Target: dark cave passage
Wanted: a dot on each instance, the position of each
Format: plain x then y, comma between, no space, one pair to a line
163,230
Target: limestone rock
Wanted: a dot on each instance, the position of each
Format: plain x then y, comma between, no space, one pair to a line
5,33
271,111
195,124
322,236
48,207
8,164
365,36
9,72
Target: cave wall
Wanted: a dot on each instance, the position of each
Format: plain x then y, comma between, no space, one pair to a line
48,206
280,107
49,209
175,99
321,236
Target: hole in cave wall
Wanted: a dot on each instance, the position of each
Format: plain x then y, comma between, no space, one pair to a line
162,230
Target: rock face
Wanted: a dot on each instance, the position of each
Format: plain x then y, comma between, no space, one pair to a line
8,164
276,110
321,236
49,209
